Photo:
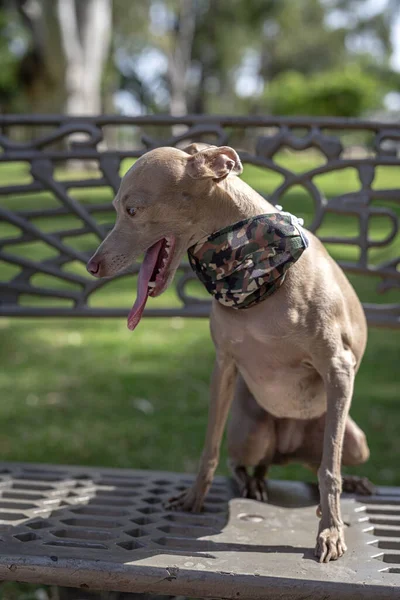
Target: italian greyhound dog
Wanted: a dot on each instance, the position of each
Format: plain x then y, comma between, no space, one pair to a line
285,365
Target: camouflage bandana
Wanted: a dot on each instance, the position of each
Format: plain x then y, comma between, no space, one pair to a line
244,263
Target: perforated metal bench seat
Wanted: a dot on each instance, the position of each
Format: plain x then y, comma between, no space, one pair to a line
107,529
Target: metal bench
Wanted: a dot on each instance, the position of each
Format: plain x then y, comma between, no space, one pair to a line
106,529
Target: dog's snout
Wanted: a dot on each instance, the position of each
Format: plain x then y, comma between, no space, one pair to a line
93,267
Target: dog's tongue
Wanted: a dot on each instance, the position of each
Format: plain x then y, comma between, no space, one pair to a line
146,271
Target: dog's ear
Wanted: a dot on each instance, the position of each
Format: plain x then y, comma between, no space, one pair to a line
214,163
197,147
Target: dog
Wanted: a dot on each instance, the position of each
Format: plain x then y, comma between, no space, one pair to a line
285,365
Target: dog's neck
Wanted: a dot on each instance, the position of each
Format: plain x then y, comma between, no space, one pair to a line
232,200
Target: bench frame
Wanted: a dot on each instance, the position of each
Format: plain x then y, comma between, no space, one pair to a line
54,140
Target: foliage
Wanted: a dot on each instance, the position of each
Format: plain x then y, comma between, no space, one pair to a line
348,92
232,55
9,62
297,37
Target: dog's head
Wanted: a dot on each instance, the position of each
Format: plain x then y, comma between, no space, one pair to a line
160,212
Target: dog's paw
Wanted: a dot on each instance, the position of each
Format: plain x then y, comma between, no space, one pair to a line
188,501
352,484
255,488
330,544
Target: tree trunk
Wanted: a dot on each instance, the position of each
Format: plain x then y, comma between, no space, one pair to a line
62,71
85,29
179,59
42,69
70,42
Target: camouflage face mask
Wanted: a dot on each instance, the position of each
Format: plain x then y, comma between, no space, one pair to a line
244,263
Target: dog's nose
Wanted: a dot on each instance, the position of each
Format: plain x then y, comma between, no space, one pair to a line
93,267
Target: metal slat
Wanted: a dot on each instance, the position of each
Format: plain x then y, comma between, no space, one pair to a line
109,529
265,137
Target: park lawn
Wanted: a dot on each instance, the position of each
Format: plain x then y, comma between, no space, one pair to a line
90,392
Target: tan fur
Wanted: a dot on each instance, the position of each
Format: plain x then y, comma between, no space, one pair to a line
296,353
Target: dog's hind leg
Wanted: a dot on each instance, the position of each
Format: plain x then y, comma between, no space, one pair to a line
251,443
355,452
354,484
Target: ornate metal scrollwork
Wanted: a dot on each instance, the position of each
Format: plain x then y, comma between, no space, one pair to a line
264,140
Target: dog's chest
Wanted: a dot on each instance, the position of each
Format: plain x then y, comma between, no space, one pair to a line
285,388
278,371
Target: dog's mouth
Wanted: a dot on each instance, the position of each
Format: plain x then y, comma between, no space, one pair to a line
153,276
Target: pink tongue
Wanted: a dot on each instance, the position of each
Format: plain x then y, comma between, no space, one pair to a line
146,271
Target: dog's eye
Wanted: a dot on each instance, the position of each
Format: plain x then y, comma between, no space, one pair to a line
131,211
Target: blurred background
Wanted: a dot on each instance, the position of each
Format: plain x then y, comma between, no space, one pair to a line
285,57
88,391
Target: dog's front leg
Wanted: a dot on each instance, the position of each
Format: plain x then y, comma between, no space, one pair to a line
222,388
339,387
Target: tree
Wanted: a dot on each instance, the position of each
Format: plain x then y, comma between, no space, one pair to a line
180,56
347,92
9,65
190,55
296,37
203,46
69,43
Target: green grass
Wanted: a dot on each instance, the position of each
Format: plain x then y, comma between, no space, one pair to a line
90,392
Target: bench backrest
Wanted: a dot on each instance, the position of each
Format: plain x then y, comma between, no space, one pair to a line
343,176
